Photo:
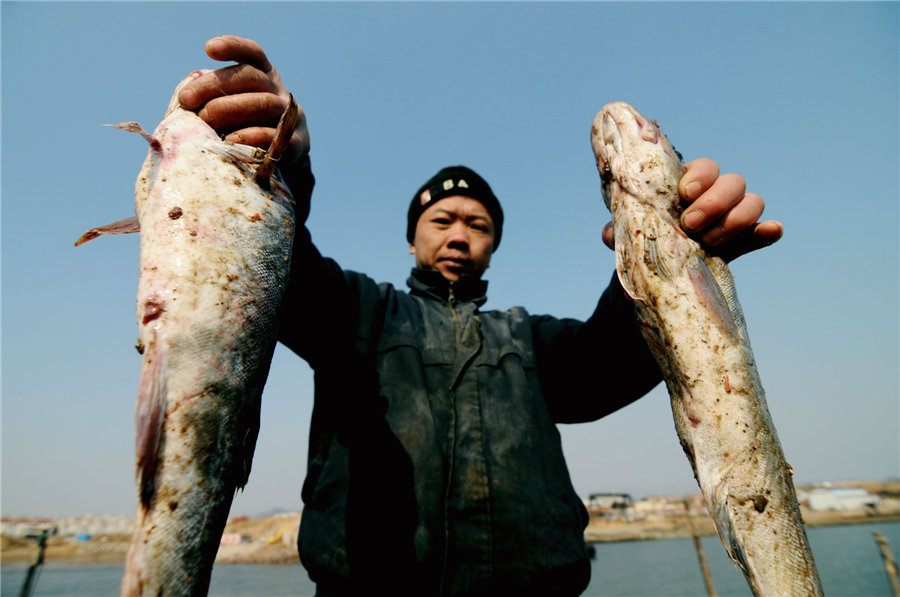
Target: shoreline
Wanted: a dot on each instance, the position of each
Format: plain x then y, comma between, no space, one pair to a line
273,540
677,528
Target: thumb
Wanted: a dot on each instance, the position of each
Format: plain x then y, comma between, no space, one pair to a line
608,235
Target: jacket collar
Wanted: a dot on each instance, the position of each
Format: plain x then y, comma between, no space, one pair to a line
431,284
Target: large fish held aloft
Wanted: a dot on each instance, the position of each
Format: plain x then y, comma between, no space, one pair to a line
216,227
694,326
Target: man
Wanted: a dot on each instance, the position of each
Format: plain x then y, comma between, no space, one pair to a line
435,466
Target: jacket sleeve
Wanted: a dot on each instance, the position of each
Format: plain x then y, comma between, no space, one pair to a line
318,300
589,369
329,315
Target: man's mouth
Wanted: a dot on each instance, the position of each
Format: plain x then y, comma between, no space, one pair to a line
456,263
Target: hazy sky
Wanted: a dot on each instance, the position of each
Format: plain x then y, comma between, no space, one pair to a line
801,99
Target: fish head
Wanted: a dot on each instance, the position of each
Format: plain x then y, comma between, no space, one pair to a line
634,156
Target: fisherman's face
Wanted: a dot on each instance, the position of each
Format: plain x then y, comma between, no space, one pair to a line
455,236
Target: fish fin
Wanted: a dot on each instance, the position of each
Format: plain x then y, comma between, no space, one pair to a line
134,127
248,445
654,259
622,274
725,280
150,414
238,152
283,133
731,539
711,296
125,226
247,154
622,248
722,512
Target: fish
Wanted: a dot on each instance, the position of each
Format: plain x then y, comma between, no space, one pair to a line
216,224
690,317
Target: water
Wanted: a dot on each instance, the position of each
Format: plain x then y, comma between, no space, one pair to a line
847,557
228,580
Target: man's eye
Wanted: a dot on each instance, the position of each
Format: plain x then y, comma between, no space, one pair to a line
441,221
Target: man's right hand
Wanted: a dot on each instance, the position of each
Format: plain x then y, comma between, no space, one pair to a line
244,101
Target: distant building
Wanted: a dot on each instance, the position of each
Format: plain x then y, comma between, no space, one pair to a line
95,524
841,498
611,505
233,539
650,506
610,500
27,527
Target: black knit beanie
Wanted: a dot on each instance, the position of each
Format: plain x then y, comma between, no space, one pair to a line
454,180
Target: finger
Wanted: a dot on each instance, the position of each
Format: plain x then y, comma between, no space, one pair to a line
707,209
239,111
751,239
699,175
743,216
261,137
238,49
769,232
608,235
257,136
232,80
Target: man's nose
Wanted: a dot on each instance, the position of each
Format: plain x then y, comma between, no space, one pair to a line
458,234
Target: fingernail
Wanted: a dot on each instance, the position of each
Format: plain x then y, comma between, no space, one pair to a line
692,190
692,220
214,46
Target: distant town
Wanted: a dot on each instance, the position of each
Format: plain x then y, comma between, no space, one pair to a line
617,517
826,497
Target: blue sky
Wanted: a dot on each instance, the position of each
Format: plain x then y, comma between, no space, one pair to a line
801,99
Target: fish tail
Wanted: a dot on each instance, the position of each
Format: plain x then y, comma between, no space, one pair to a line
150,416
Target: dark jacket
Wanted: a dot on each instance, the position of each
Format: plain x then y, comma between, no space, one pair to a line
435,466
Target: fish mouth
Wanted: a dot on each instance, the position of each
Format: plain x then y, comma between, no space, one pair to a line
648,128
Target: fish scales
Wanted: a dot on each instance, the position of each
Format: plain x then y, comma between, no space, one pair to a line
215,259
690,317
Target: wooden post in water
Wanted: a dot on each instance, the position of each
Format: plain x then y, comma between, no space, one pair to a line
889,565
28,585
710,588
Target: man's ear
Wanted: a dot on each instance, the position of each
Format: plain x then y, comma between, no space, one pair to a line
412,249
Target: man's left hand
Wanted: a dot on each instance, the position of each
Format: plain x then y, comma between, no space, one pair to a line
720,215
